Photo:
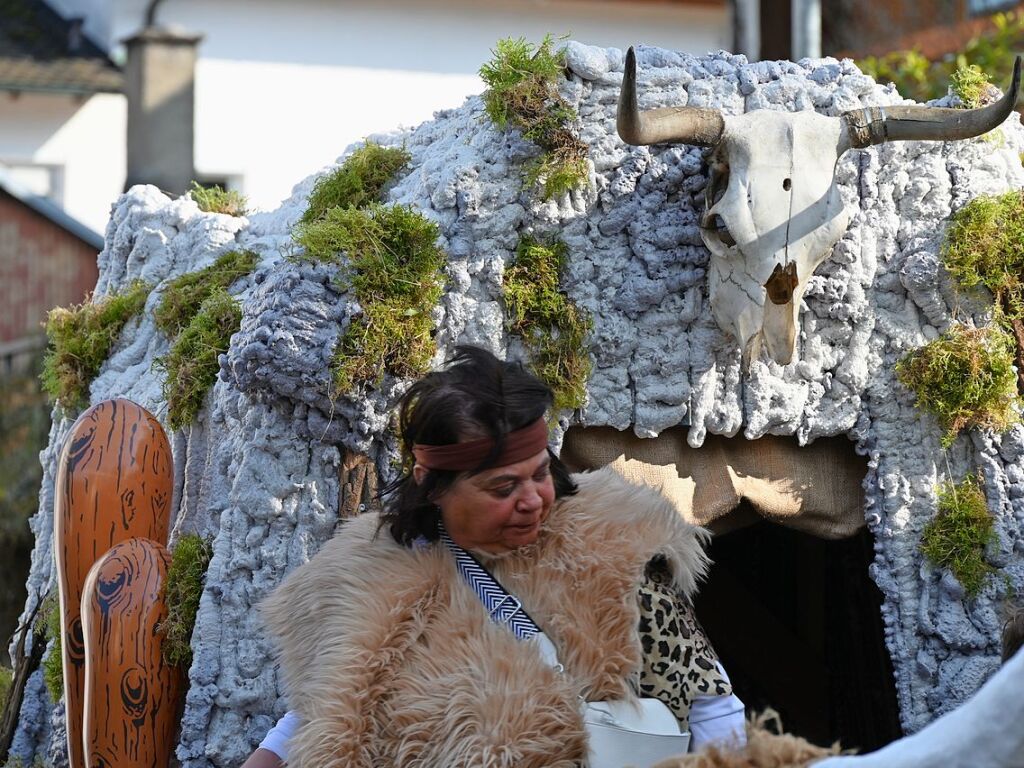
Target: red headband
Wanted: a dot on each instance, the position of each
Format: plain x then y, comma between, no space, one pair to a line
518,445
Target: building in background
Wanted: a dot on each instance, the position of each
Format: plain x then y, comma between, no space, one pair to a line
935,28
62,114
46,259
282,88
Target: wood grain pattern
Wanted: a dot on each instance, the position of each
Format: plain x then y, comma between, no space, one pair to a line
357,478
131,695
114,482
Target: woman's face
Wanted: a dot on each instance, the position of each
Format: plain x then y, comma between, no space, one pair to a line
499,509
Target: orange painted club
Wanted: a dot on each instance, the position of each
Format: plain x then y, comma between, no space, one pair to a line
131,693
114,482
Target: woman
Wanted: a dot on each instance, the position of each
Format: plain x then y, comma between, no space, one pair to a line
390,657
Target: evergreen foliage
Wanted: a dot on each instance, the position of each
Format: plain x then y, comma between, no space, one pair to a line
553,329
80,339
522,92
957,537
185,577
966,378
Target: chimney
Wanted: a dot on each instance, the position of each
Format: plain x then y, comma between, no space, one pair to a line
160,86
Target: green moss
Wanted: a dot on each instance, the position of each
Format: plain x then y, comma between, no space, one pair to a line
520,79
957,537
6,681
184,295
985,246
359,180
522,92
970,85
395,268
550,325
80,339
53,664
215,199
966,378
17,762
191,363
189,561
558,171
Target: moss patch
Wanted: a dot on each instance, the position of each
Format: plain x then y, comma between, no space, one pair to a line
984,245
215,199
966,378
80,339
185,294
395,268
359,180
957,537
189,561
6,681
970,85
53,664
17,762
191,363
522,92
551,326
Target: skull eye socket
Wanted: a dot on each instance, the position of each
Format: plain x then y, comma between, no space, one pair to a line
718,225
717,182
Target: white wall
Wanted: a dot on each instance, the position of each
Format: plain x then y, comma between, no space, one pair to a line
84,137
283,88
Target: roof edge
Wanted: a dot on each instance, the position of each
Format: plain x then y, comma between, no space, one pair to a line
50,210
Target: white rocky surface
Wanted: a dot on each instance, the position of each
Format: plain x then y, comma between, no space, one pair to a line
258,471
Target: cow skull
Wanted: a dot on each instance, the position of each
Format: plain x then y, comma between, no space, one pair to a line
772,207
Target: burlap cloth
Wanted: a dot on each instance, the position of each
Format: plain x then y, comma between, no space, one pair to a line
815,489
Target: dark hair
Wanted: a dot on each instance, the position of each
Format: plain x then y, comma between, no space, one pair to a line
476,395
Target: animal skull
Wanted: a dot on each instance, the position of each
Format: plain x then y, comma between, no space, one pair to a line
773,209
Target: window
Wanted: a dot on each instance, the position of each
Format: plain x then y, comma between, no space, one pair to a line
43,179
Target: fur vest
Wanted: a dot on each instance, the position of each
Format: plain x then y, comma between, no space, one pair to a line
390,659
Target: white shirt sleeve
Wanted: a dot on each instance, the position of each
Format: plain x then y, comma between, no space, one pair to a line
717,719
277,737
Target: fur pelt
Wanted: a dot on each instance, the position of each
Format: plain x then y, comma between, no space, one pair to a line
390,659
763,749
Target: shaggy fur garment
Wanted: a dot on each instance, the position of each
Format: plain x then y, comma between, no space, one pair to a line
390,659
763,749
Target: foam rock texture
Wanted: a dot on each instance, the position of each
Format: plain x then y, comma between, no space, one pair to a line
258,472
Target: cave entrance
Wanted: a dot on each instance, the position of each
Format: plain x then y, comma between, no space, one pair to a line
788,603
797,623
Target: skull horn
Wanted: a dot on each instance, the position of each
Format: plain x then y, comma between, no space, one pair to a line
686,125
877,125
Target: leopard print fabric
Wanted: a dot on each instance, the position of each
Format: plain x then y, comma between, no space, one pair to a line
679,662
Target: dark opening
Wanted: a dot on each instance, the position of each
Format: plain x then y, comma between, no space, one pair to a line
797,623
776,29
